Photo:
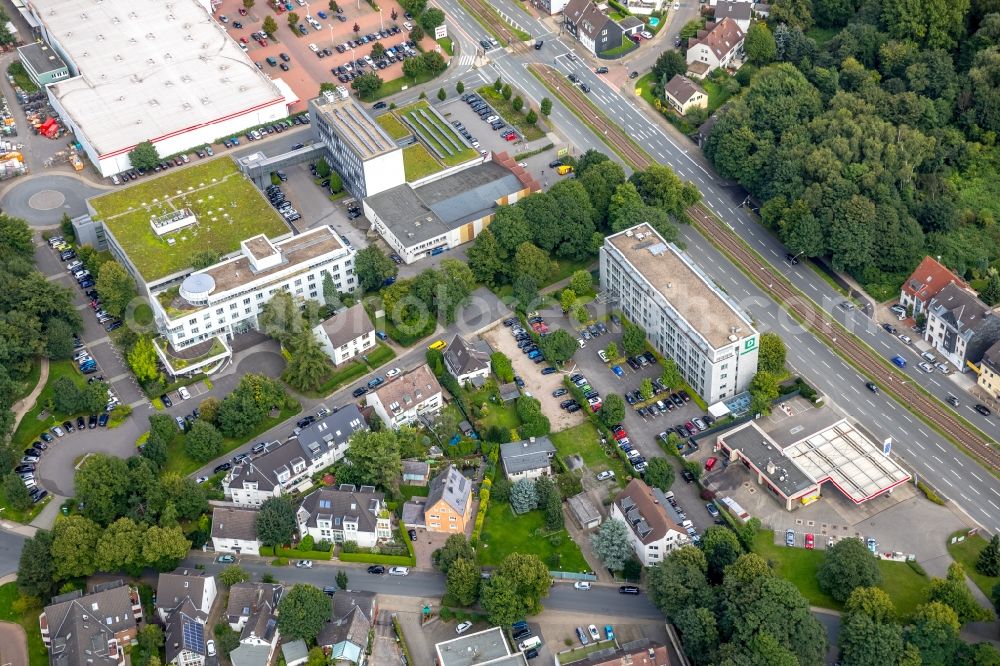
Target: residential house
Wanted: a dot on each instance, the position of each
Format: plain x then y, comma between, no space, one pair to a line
989,371
173,588
449,502
346,334
283,465
407,398
185,635
683,94
739,11
961,326
346,513
467,361
235,531
652,533
252,610
718,45
924,283
416,473
92,629
592,27
344,637
641,652
645,7
527,459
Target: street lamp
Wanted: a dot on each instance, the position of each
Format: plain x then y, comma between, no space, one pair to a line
380,23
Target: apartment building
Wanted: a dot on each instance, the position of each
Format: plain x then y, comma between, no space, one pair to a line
407,398
685,315
344,514
652,533
367,159
926,281
347,334
961,327
95,628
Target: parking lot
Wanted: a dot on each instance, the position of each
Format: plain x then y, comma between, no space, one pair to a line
306,70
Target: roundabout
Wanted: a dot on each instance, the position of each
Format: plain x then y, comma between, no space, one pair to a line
42,200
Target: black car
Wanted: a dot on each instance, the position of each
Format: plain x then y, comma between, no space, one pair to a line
632,363
687,476
555,163
46,437
165,399
676,399
413,534
102,420
303,422
258,448
558,392
222,468
889,328
533,652
360,391
36,498
983,409
377,569
648,355
518,381
628,589
92,421
26,467
871,387
379,105
791,258
566,403
684,396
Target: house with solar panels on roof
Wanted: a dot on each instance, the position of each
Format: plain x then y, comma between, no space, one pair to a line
184,600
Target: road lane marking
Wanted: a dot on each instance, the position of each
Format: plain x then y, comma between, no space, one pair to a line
948,482
993,505
939,446
973,489
921,431
958,461
907,418
936,458
976,477
826,364
919,444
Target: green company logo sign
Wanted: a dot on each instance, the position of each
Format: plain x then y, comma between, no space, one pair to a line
749,345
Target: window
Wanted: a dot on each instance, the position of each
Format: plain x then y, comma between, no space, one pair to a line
246,301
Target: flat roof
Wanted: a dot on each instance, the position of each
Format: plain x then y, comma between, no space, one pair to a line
415,215
228,208
150,70
353,124
483,647
696,298
757,446
41,58
296,250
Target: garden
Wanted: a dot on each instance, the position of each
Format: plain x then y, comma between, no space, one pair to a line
504,533
585,441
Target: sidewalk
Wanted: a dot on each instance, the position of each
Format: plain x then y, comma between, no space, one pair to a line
24,405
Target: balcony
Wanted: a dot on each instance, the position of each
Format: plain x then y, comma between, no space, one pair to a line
196,358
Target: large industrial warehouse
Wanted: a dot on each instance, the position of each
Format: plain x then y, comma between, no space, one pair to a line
166,72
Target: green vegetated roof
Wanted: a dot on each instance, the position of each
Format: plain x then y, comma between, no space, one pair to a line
227,206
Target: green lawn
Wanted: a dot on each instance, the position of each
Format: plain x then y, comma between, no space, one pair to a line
179,462
143,314
583,440
504,533
398,84
352,370
966,553
717,95
644,87
626,46
822,35
516,118
228,208
447,45
31,427
418,162
21,77
37,654
390,123
905,587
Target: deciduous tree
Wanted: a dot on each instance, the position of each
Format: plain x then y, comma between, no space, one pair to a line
763,392
760,46
679,582
374,459
270,26
367,85
462,582
302,612
454,548
120,546
934,632
558,346
612,409
846,565
771,355
659,473
234,574
545,106
36,575
203,441
74,546
163,548
144,156
502,367
954,592
103,486
633,339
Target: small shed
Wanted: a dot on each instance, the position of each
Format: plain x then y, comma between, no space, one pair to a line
509,392
465,427
584,512
416,473
295,653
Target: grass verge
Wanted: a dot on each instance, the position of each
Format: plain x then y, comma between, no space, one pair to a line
37,654
516,118
21,77
401,83
966,552
32,425
353,370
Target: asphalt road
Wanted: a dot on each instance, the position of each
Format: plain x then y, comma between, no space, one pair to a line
10,551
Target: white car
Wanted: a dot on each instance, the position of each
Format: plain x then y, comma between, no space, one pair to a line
392,373
313,48
607,474
462,628
201,479
646,34
492,119
926,367
905,338
581,342
398,571
304,564
596,635
582,585
603,355
210,647
183,393
407,25
677,6
523,165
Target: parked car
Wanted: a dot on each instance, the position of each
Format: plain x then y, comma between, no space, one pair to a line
376,569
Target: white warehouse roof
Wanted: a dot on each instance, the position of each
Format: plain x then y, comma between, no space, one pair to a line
149,70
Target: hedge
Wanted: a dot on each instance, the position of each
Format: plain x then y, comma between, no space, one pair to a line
377,558
296,554
402,639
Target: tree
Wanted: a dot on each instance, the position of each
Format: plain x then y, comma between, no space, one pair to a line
954,592
567,299
771,354
699,634
203,441
36,569
115,287
103,487
356,28
759,45
309,366
163,548
66,395
659,473
302,612
270,26
74,542
454,548
671,376
373,459
144,156
523,497
416,34
533,422
865,642
679,582
669,63
462,582
531,117
502,367
234,574
431,18
531,261
248,4
931,26
367,85
500,600
988,562
517,103
373,268
612,409
526,291
558,346
414,67
487,259
442,95
119,548
94,397
280,318
846,565
142,360
378,50
991,292
646,388
721,547
506,91
934,632
59,339
763,392
582,282
872,602
612,544
545,106
342,579
275,521
633,339
459,88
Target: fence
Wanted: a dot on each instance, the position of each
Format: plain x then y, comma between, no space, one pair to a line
572,575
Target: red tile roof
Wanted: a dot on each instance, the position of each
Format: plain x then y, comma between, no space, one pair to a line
929,278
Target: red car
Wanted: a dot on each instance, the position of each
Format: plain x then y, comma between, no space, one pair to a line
810,541
243,12
262,42
244,40
710,463
635,38
620,435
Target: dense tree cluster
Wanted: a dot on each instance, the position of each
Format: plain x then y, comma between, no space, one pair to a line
872,149
248,405
414,304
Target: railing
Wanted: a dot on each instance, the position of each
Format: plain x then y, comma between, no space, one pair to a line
572,575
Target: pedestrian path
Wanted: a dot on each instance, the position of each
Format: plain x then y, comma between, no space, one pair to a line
25,404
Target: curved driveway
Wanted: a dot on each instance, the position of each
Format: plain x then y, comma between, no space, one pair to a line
42,199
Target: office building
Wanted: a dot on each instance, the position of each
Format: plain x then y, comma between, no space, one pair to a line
42,63
685,315
366,157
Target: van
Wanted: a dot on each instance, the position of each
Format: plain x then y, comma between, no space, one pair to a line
899,360
564,169
532,642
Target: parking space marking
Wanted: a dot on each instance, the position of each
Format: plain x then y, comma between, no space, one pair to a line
959,462
973,489
993,505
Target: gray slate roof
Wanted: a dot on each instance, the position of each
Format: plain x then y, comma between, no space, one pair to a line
230,523
527,455
250,655
961,309
245,599
344,503
348,325
586,16
350,619
463,357
78,627
185,630
451,486
174,587
738,11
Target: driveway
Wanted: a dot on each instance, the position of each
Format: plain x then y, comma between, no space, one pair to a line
13,645
386,650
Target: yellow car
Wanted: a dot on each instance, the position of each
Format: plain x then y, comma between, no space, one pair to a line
438,345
